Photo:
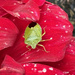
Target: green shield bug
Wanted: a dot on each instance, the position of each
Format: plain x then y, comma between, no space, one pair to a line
33,35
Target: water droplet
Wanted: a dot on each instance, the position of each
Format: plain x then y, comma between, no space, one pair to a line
27,57
66,31
56,24
66,72
44,20
59,12
70,45
61,36
51,68
61,9
32,12
72,50
31,68
16,14
56,74
56,16
63,17
24,65
5,43
48,9
35,65
40,71
44,70
35,69
14,3
69,25
51,38
27,65
0,27
13,19
64,26
28,18
44,13
5,28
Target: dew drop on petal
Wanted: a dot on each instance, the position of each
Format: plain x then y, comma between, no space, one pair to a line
40,71
27,65
32,12
56,24
56,74
5,28
5,43
56,16
24,65
66,31
44,13
61,36
69,25
13,19
31,68
35,65
14,3
63,26
35,69
0,27
44,70
51,68
48,9
44,20
16,14
51,38
27,57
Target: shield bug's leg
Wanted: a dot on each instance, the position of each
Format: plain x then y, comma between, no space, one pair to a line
44,31
26,51
28,48
43,48
45,40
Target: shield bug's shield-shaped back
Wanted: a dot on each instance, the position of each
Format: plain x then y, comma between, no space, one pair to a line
33,35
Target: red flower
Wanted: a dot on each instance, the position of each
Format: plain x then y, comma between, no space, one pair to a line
59,42
58,30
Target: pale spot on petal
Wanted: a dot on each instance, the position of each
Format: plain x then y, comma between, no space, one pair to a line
44,70
50,68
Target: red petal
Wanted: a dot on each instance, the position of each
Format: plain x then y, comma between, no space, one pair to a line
10,66
29,11
71,47
39,69
55,10
67,64
8,33
3,2
21,24
38,2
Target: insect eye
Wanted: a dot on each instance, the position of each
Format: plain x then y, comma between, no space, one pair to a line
32,24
